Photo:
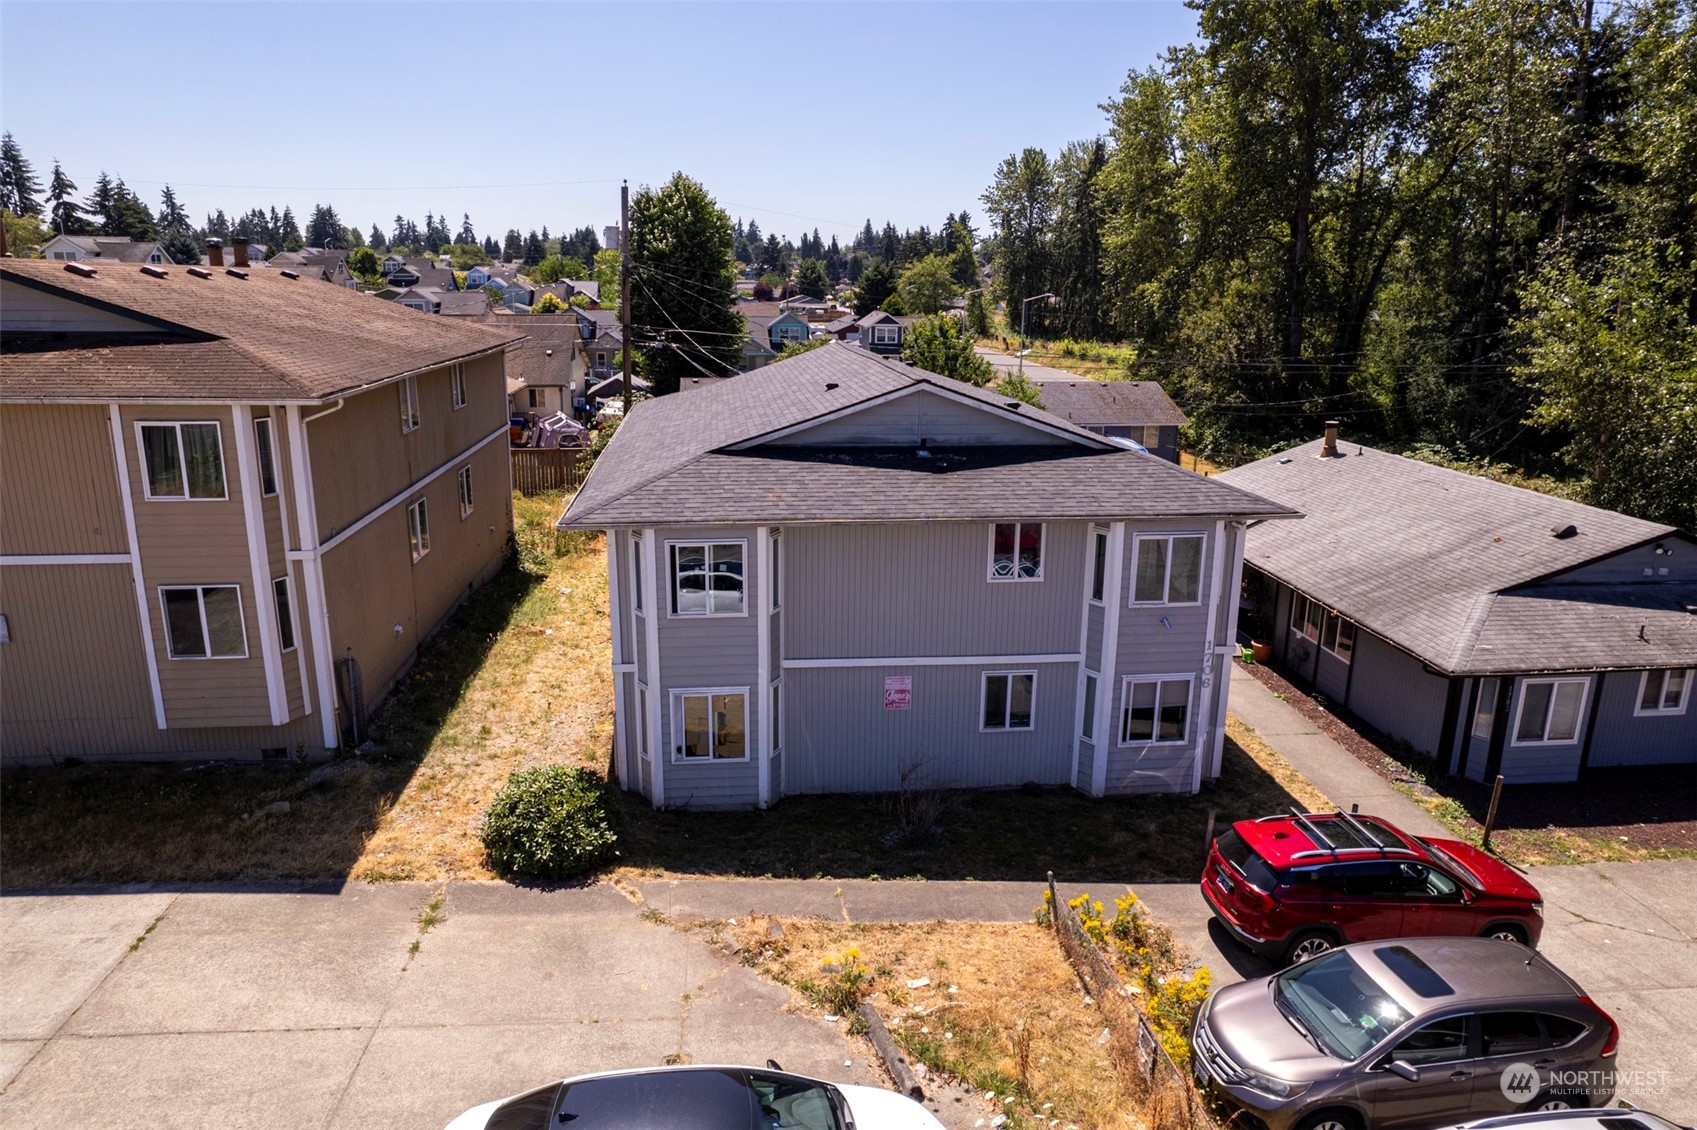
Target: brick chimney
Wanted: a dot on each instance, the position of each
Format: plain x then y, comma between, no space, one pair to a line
239,250
215,253
1329,450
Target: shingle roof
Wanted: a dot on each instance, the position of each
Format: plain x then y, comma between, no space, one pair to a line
1418,554
1111,402
529,361
315,341
672,461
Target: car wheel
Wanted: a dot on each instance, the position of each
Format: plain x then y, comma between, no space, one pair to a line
1506,933
1557,1100
1306,945
1330,1120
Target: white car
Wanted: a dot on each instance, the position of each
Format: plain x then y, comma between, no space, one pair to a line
1624,1117
699,1098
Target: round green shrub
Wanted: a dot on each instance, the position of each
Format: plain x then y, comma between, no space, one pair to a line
553,823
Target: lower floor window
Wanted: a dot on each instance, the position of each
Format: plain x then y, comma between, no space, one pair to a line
642,747
1156,710
1087,727
1549,710
465,493
204,622
710,725
1008,698
418,529
1664,692
285,613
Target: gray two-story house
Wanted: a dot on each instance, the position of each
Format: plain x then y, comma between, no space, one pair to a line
1496,629
845,574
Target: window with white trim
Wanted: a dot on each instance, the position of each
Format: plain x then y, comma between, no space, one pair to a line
777,691
710,725
418,529
465,493
1007,699
1549,711
636,572
1167,569
203,621
1098,564
282,594
773,582
1485,714
1307,617
887,335
267,456
183,460
1338,636
457,379
1087,725
643,749
408,387
707,578
1664,692
1016,551
1156,709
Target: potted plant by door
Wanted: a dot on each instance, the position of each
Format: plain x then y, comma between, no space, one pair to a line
1252,619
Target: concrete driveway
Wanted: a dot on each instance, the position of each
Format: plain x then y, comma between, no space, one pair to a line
293,1008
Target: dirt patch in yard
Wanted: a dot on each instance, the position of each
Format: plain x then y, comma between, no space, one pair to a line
1624,814
995,1006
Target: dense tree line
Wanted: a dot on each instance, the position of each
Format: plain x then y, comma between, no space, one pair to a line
1469,225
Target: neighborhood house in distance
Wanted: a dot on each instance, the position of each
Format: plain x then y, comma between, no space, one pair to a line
841,573
229,492
1497,629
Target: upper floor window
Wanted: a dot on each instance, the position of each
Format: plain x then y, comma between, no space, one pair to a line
707,579
418,529
203,622
465,493
1156,709
457,376
1098,563
886,335
1664,692
1168,569
1549,711
267,457
1016,551
183,460
409,404
1007,700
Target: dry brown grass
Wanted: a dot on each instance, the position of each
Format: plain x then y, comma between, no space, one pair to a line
542,697
1003,1012
1275,766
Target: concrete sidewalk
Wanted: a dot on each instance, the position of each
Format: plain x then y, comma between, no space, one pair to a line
1328,766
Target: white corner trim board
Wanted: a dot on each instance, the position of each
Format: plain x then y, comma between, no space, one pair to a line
259,562
121,457
65,559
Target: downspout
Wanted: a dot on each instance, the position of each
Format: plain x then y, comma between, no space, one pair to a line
312,565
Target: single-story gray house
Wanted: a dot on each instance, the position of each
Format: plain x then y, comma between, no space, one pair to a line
841,573
1140,411
1497,629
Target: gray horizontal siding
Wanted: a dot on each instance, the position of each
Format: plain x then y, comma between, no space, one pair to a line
1153,767
1159,639
839,738
921,417
1623,738
718,784
923,590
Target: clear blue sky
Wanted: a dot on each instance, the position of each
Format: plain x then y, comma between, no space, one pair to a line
833,112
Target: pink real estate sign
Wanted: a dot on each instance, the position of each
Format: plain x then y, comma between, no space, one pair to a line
898,692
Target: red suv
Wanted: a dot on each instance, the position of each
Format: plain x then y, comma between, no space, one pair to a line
1291,887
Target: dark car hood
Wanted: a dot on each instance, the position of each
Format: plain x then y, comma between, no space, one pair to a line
1251,1029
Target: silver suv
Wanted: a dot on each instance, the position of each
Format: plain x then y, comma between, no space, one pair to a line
1405,1033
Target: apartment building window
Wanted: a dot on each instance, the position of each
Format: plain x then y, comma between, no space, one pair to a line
1016,551
184,460
1006,700
1087,727
409,404
1167,568
636,571
267,457
642,747
203,621
710,725
1664,692
465,493
773,581
418,529
457,377
777,720
1098,563
280,592
1157,709
707,579
1549,711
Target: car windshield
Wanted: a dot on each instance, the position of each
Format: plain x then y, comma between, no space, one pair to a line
1338,1005
1454,864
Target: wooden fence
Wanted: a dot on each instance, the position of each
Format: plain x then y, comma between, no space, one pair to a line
537,470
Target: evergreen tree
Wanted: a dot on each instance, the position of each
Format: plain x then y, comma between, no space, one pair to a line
867,240
101,200
683,293
771,257
375,240
467,235
124,214
1078,239
289,237
19,187
1022,204
811,280
534,252
889,246
66,216
218,226
963,259
875,286
753,233
176,232
513,246
324,228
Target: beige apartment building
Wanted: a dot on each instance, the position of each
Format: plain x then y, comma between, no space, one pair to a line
222,494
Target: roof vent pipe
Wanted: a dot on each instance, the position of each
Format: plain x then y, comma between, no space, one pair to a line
1562,533
215,253
1329,450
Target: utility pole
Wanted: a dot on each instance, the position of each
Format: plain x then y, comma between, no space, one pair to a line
624,284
